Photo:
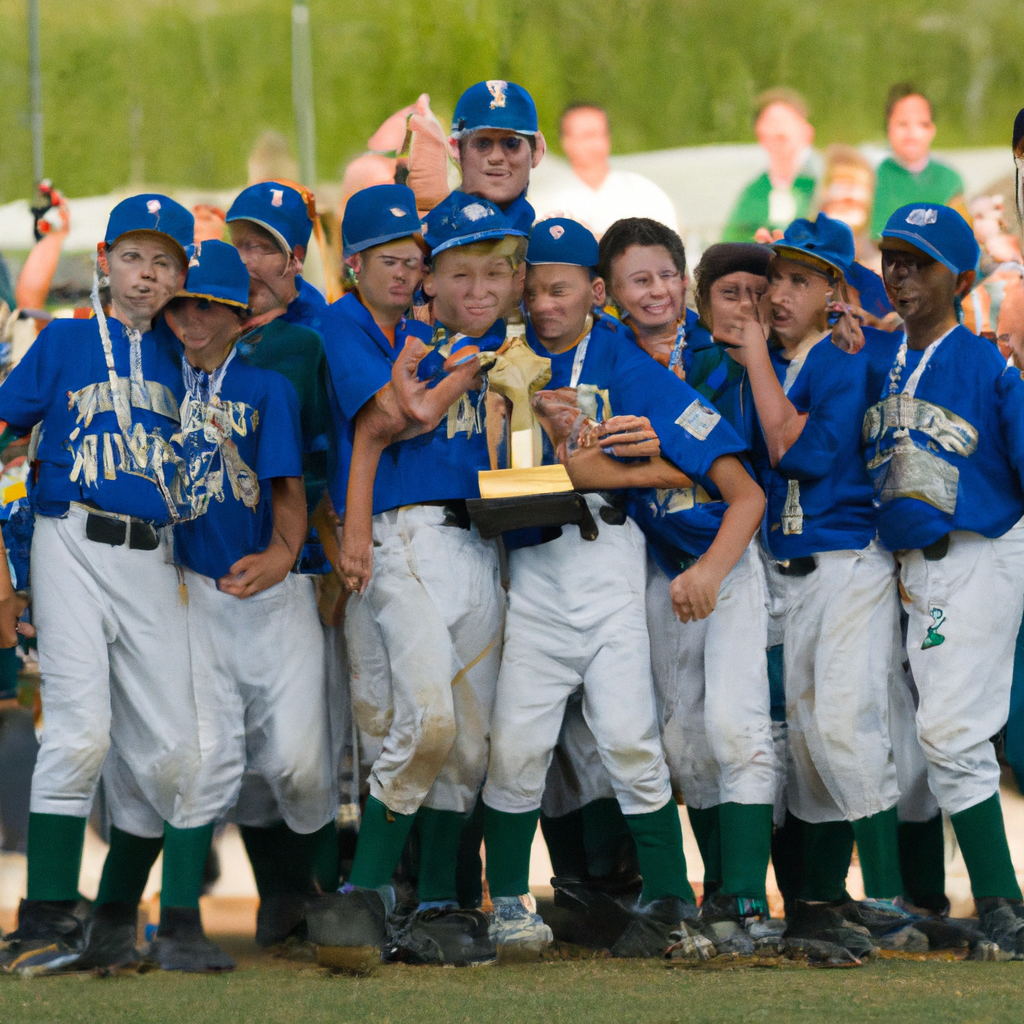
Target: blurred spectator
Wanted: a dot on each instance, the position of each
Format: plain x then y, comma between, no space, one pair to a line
784,191
910,175
210,222
271,157
1000,271
599,196
6,291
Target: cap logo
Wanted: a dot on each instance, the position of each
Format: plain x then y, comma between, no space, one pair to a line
277,197
153,206
397,211
556,231
921,217
497,90
476,211
194,262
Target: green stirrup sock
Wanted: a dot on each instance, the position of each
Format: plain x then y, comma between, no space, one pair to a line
827,850
923,861
126,869
508,838
469,868
564,837
707,831
982,838
878,850
659,848
382,837
440,836
605,831
326,868
185,853
746,848
54,856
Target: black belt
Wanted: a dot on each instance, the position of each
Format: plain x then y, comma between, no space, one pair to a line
138,533
803,565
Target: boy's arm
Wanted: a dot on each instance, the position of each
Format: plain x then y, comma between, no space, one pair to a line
254,573
590,469
695,592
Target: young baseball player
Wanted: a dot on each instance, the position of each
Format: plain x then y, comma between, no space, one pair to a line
113,639
840,616
591,590
424,579
943,447
711,674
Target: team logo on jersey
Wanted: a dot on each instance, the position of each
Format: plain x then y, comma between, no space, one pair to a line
697,419
497,90
921,217
556,231
934,637
277,197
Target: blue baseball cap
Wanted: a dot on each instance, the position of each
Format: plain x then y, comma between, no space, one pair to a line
495,104
277,208
461,219
216,272
824,240
378,214
153,214
560,240
938,231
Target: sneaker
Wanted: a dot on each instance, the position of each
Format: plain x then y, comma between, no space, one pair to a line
279,918
349,927
825,922
49,925
517,928
182,945
443,935
1002,921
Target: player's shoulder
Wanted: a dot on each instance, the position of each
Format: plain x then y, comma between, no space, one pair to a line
254,384
296,335
970,350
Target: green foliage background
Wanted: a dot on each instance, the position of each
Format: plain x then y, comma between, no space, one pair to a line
176,91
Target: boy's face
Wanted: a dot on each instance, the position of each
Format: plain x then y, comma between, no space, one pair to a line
734,299
911,129
797,297
472,290
558,298
496,164
647,285
145,272
272,271
205,329
389,274
919,287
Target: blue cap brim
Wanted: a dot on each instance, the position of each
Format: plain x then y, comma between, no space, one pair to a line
461,134
477,236
369,243
926,247
183,294
781,249
178,247
274,233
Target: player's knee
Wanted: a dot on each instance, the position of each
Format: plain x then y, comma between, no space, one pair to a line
436,739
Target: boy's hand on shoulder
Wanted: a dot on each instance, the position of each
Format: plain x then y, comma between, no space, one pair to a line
695,593
626,437
254,573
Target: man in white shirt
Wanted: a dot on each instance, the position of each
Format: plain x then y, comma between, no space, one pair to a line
598,196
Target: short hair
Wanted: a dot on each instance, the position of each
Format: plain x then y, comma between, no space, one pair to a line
726,258
784,95
900,91
637,231
581,105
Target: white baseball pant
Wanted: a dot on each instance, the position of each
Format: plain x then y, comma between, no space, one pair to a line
576,619
434,609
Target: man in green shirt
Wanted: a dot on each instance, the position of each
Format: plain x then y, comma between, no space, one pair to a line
784,191
910,175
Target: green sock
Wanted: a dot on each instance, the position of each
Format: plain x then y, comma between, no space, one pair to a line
827,849
325,860
508,838
746,848
923,861
982,838
564,837
282,860
126,868
54,856
382,837
878,849
469,868
440,836
605,832
707,831
659,848
185,853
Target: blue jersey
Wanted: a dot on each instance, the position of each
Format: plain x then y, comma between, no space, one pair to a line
945,445
819,496
84,453
307,308
441,465
234,445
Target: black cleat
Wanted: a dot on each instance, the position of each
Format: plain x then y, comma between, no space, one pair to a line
439,935
649,932
348,928
280,917
182,945
1002,921
49,925
824,922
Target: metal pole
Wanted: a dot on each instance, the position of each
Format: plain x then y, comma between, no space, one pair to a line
35,77
302,94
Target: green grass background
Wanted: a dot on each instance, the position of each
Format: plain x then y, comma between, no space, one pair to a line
176,91
580,992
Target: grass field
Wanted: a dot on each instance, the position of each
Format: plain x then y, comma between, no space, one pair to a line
575,992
